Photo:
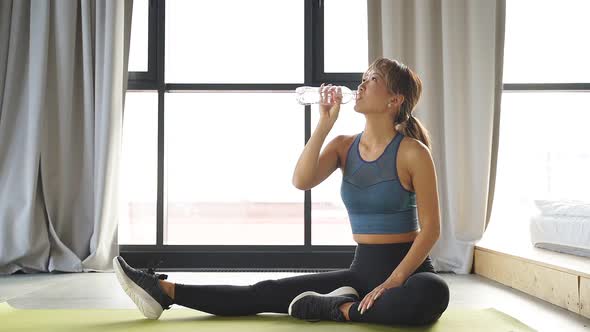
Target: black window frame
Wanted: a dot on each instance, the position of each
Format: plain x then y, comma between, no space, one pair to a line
298,258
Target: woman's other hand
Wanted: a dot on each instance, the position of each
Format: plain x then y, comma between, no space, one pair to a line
370,298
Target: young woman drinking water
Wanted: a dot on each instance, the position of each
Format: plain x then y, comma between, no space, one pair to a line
389,188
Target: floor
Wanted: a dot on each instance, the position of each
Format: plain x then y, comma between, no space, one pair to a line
101,290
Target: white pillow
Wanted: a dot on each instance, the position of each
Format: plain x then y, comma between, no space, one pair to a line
563,208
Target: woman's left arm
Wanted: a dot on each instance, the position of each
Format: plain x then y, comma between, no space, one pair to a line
423,175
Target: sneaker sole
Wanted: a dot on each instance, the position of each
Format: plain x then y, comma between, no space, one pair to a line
346,290
148,306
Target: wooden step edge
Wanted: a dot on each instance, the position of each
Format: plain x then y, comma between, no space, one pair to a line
538,262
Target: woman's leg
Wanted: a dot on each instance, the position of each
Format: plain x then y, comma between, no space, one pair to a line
264,296
420,300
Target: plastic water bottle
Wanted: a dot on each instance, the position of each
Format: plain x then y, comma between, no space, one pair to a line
307,95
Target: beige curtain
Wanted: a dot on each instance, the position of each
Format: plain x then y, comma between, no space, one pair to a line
63,75
456,47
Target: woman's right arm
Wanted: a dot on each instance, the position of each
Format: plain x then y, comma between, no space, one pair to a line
311,170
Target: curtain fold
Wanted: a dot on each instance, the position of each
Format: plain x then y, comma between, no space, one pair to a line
64,75
456,47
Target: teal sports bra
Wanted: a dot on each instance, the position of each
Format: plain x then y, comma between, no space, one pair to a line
376,201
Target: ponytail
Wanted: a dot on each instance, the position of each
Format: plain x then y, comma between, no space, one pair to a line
410,126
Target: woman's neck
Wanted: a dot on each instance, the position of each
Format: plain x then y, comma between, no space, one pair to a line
379,131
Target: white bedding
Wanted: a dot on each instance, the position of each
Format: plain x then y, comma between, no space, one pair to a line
568,234
563,208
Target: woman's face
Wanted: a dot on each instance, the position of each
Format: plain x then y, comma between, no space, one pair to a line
372,94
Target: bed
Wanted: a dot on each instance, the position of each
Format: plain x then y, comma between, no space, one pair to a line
562,226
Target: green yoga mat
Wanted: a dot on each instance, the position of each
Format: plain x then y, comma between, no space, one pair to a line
181,320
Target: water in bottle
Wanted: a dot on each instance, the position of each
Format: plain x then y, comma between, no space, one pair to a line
307,95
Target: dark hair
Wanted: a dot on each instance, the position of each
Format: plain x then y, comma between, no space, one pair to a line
402,80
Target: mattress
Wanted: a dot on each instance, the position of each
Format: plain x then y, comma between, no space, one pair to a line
562,233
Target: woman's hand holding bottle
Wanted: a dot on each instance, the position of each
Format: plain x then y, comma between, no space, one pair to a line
330,99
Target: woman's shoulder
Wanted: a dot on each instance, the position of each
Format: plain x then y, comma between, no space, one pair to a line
412,144
343,144
412,150
344,140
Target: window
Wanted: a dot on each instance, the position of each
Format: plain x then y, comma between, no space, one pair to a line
230,159
138,173
138,48
255,42
543,149
346,42
546,42
213,133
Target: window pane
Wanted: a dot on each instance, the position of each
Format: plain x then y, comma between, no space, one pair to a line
138,48
346,41
543,153
230,161
330,225
547,42
234,41
139,161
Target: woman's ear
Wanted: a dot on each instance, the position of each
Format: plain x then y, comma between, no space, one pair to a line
397,100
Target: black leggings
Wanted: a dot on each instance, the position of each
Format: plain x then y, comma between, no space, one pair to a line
422,298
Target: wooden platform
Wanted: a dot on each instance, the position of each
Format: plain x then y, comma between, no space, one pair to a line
561,279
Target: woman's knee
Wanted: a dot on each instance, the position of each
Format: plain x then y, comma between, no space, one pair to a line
431,295
265,288
430,285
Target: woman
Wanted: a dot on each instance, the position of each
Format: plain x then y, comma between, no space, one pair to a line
389,184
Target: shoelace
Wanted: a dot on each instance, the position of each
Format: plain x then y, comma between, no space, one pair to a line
152,270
